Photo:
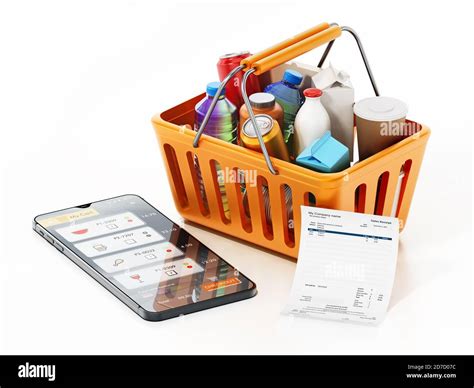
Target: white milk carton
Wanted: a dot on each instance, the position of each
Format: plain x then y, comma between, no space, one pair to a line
338,100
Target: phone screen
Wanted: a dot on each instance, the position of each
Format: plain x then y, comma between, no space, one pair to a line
143,253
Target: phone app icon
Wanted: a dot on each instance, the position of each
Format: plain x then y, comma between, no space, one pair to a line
137,277
80,231
100,247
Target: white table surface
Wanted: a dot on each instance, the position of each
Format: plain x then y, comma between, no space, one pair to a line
78,91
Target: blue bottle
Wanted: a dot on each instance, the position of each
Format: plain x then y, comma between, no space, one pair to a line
224,120
289,96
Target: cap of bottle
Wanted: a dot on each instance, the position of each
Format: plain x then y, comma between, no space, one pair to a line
212,87
262,100
293,77
312,93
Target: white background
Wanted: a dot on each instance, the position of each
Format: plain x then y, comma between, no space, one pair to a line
79,82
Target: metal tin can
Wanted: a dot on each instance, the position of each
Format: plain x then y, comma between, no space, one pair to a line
229,62
271,134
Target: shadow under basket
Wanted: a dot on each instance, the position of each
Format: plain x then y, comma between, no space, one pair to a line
229,188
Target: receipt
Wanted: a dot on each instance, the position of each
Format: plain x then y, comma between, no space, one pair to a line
346,266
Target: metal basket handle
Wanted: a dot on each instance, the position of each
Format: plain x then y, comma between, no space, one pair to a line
362,53
276,56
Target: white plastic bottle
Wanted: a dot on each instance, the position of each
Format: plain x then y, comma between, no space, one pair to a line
312,120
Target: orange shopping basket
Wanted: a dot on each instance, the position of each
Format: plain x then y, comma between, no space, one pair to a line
256,199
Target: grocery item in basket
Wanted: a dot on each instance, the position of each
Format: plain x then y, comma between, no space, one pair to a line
223,124
305,69
225,65
380,123
312,120
263,103
290,98
325,155
224,120
338,100
271,134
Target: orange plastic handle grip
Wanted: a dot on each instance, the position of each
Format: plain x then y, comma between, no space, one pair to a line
249,61
296,49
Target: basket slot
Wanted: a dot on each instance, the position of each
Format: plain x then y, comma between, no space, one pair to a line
265,199
309,199
408,186
260,207
198,190
359,198
174,175
299,199
255,211
211,186
238,204
370,195
234,201
391,190
381,193
219,180
286,200
278,212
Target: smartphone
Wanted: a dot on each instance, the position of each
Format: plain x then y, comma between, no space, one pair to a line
142,257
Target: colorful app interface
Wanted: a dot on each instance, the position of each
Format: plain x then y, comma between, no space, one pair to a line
144,254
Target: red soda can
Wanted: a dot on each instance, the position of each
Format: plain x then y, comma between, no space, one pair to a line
226,64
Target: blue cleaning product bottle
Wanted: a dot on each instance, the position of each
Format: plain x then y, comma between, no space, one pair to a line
224,120
289,96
